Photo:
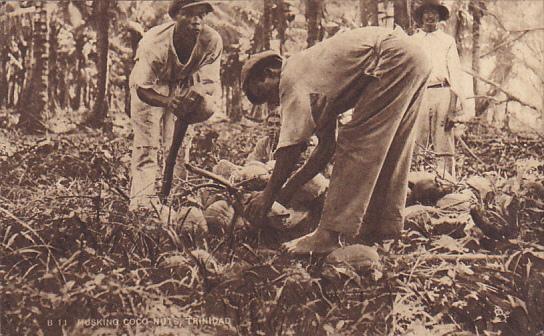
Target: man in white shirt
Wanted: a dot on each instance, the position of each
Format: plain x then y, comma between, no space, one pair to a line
438,110
177,64
379,74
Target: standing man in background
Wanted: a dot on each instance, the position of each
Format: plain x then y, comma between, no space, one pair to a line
176,75
438,113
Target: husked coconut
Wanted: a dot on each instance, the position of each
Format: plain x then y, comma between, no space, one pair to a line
219,214
277,215
207,260
457,201
190,219
358,256
175,261
310,191
252,170
225,169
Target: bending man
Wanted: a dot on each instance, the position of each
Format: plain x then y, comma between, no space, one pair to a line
382,76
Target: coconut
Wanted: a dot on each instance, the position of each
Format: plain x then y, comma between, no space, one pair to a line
358,256
457,201
252,170
310,191
219,214
225,169
190,219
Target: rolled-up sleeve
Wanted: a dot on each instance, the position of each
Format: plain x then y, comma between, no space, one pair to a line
207,81
297,123
145,71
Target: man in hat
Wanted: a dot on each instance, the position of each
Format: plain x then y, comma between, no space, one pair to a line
438,109
379,74
176,75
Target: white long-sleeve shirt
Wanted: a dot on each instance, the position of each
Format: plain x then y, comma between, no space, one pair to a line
446,65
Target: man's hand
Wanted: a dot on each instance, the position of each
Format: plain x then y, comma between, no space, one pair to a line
258,207
458,127
175,103
286,193
449,124
184,105
286,158
454,118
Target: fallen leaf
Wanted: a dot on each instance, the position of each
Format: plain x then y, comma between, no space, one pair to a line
448,243
481,184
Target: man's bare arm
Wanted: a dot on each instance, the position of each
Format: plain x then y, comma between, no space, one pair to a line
151,97
317,161
286,159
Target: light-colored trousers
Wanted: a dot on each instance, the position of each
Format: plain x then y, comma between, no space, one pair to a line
153,130
373,153
435,108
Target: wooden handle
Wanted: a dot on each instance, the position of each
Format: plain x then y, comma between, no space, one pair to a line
180,129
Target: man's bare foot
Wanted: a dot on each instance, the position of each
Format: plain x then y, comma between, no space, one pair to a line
320,241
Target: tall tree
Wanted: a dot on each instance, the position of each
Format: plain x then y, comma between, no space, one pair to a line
34,98
263,29
402,14
283,15
3,61
267,23
54,28
369,12
476,7
102,22
314,15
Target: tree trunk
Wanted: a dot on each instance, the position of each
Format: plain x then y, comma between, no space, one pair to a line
34,99
53,71
263,30
504,63
267,24
369,12
3,67
101,19
402,14
475,8
78,79
314,14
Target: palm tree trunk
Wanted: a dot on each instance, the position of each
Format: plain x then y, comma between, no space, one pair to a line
267,24
475,7
35,98
314,14
100,108
402,14
3,67
369,12
53,70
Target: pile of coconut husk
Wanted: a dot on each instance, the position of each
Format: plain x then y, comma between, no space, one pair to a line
219,204
469,259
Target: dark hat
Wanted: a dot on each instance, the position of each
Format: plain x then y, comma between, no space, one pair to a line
264,58
443,11
177,5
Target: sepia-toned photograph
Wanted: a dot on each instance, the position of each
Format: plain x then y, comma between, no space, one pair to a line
272,167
